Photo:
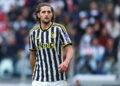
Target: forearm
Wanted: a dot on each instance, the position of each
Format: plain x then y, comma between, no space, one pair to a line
69,54
32,61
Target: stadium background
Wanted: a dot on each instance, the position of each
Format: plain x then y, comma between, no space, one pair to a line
93,26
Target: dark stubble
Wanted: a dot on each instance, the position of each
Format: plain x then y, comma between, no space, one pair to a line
46,23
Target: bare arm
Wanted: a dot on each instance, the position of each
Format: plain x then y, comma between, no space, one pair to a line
32,60
69,54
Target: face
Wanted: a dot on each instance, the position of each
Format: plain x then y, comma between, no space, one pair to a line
89,30
45,14
104,31
110,42
95,42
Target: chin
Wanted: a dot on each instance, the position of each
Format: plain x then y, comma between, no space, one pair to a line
46,22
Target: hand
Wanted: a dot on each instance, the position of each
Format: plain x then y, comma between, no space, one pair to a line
63,67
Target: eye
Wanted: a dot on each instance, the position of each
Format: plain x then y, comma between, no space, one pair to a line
43,11
49,11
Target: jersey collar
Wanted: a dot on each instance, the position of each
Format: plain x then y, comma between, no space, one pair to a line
47,28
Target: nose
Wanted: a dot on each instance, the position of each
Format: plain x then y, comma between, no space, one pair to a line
46,13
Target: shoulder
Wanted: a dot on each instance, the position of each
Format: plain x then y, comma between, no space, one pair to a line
34,28
60,26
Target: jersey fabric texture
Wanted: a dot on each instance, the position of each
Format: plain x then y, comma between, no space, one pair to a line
49,45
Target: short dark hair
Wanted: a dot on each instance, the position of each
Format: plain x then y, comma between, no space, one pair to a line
37,10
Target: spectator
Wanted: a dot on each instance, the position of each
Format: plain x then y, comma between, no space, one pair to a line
117,12
103,37
3,23
67,23
113,27
6,6
74,15
110,10
86,38
77,83
83,21
13,13
97,27
59,15
19,23
26,14
97,54
94,12
85,48
20,39
110,57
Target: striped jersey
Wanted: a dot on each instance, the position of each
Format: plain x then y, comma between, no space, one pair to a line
48,44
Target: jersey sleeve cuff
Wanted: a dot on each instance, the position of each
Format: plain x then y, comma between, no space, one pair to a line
31,49
67,44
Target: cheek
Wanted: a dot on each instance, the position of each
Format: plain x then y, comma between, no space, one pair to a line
51,16
38,15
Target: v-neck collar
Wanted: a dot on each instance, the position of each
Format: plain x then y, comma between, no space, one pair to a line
47,28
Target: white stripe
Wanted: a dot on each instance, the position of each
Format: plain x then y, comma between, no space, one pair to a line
30,44
35,57
49,74
31,40
51,53
58,43
44,68
40,73
64,39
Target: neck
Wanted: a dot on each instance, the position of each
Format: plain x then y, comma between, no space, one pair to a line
45,25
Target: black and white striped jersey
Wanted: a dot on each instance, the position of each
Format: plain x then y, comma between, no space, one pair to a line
48,44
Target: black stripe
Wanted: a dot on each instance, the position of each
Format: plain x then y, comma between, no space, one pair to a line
57,34
30,41
49,57
45,60
62,39
42,72
54,56
67,44
57,46
37,55
63,30
33,42
60,58
33,45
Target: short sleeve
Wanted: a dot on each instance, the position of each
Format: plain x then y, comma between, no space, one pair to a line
64,37
31,42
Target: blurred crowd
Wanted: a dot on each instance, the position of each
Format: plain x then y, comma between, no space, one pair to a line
93,26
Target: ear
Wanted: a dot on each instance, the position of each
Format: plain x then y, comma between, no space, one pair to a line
38,14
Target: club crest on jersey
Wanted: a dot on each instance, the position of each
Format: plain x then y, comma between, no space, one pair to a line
52,35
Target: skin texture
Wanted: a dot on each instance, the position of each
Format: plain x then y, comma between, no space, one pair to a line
45,16
32,60
69,54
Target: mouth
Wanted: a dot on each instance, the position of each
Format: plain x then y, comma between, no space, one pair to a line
46,18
